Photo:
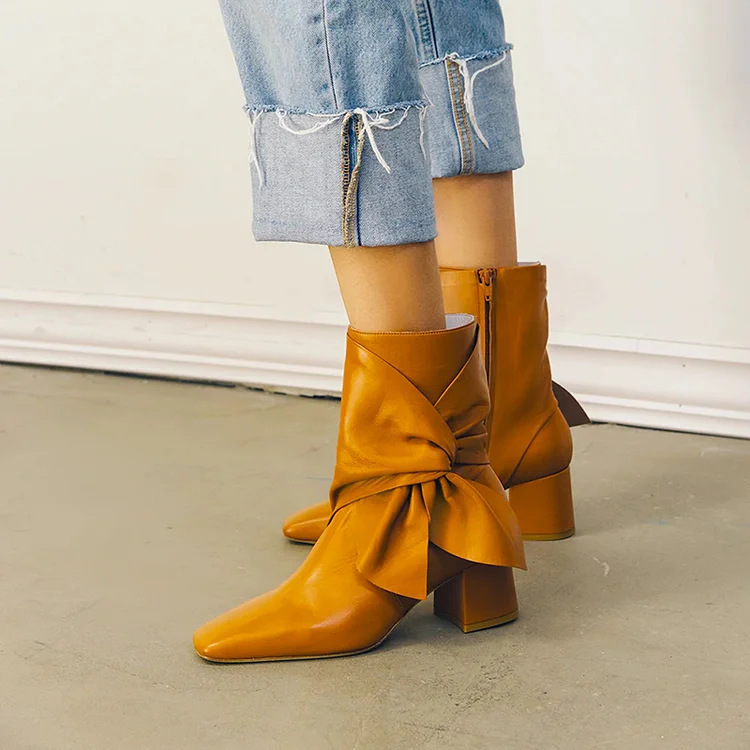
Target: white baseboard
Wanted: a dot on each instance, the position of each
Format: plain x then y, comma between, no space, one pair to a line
660,384
176,339
686,387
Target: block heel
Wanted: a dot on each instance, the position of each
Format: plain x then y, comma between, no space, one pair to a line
481,597
544,507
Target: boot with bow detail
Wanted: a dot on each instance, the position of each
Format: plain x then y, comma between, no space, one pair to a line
530,417
415,506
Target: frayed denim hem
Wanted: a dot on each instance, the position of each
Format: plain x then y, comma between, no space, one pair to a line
485,55
253,108
359,177
372,119
363,176
473,125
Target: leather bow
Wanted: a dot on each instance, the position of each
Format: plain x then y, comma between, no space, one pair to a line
399,458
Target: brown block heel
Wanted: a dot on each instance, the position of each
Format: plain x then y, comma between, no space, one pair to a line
544,507
481,597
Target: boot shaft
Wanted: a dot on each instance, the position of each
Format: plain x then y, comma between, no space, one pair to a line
412,467
529,436
432,362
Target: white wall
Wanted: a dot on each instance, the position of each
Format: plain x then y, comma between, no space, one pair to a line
636,119
125,209
123,150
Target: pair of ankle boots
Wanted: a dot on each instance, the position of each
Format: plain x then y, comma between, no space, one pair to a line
433,427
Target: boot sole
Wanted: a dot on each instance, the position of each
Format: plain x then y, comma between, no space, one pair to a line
548,537
484,625
525,537
296,658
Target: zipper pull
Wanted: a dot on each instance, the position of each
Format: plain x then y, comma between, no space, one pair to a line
487,278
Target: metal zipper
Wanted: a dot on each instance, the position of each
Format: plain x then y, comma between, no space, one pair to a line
487,278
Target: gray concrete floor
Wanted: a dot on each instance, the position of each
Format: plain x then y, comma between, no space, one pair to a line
133,510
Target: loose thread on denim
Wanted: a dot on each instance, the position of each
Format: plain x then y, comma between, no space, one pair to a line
469,78
422,116
371,121
378,120
326,120
484,55
297,111
253,118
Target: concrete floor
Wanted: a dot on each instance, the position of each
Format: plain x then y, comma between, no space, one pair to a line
133,510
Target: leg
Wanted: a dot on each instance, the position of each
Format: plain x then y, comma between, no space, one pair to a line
476,221
474,140
412,465
477,132
391,288
475,143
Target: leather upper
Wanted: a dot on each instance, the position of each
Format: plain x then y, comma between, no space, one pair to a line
415,503
529,437
397,460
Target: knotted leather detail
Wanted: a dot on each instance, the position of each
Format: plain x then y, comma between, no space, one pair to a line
397,460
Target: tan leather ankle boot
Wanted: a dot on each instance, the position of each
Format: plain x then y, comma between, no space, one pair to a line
530,442
416,508
530,417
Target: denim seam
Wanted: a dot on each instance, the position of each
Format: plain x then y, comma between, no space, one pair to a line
449,80
426,27
464,120
350,180
327,40
357,131
383,108
345,174
354,188
354,184
450,67
478,56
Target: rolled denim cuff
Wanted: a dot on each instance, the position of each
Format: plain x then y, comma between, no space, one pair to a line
482,135
343,179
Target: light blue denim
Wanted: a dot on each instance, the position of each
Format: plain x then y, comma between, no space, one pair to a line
355,105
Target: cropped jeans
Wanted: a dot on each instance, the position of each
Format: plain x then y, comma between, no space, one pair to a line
356,105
